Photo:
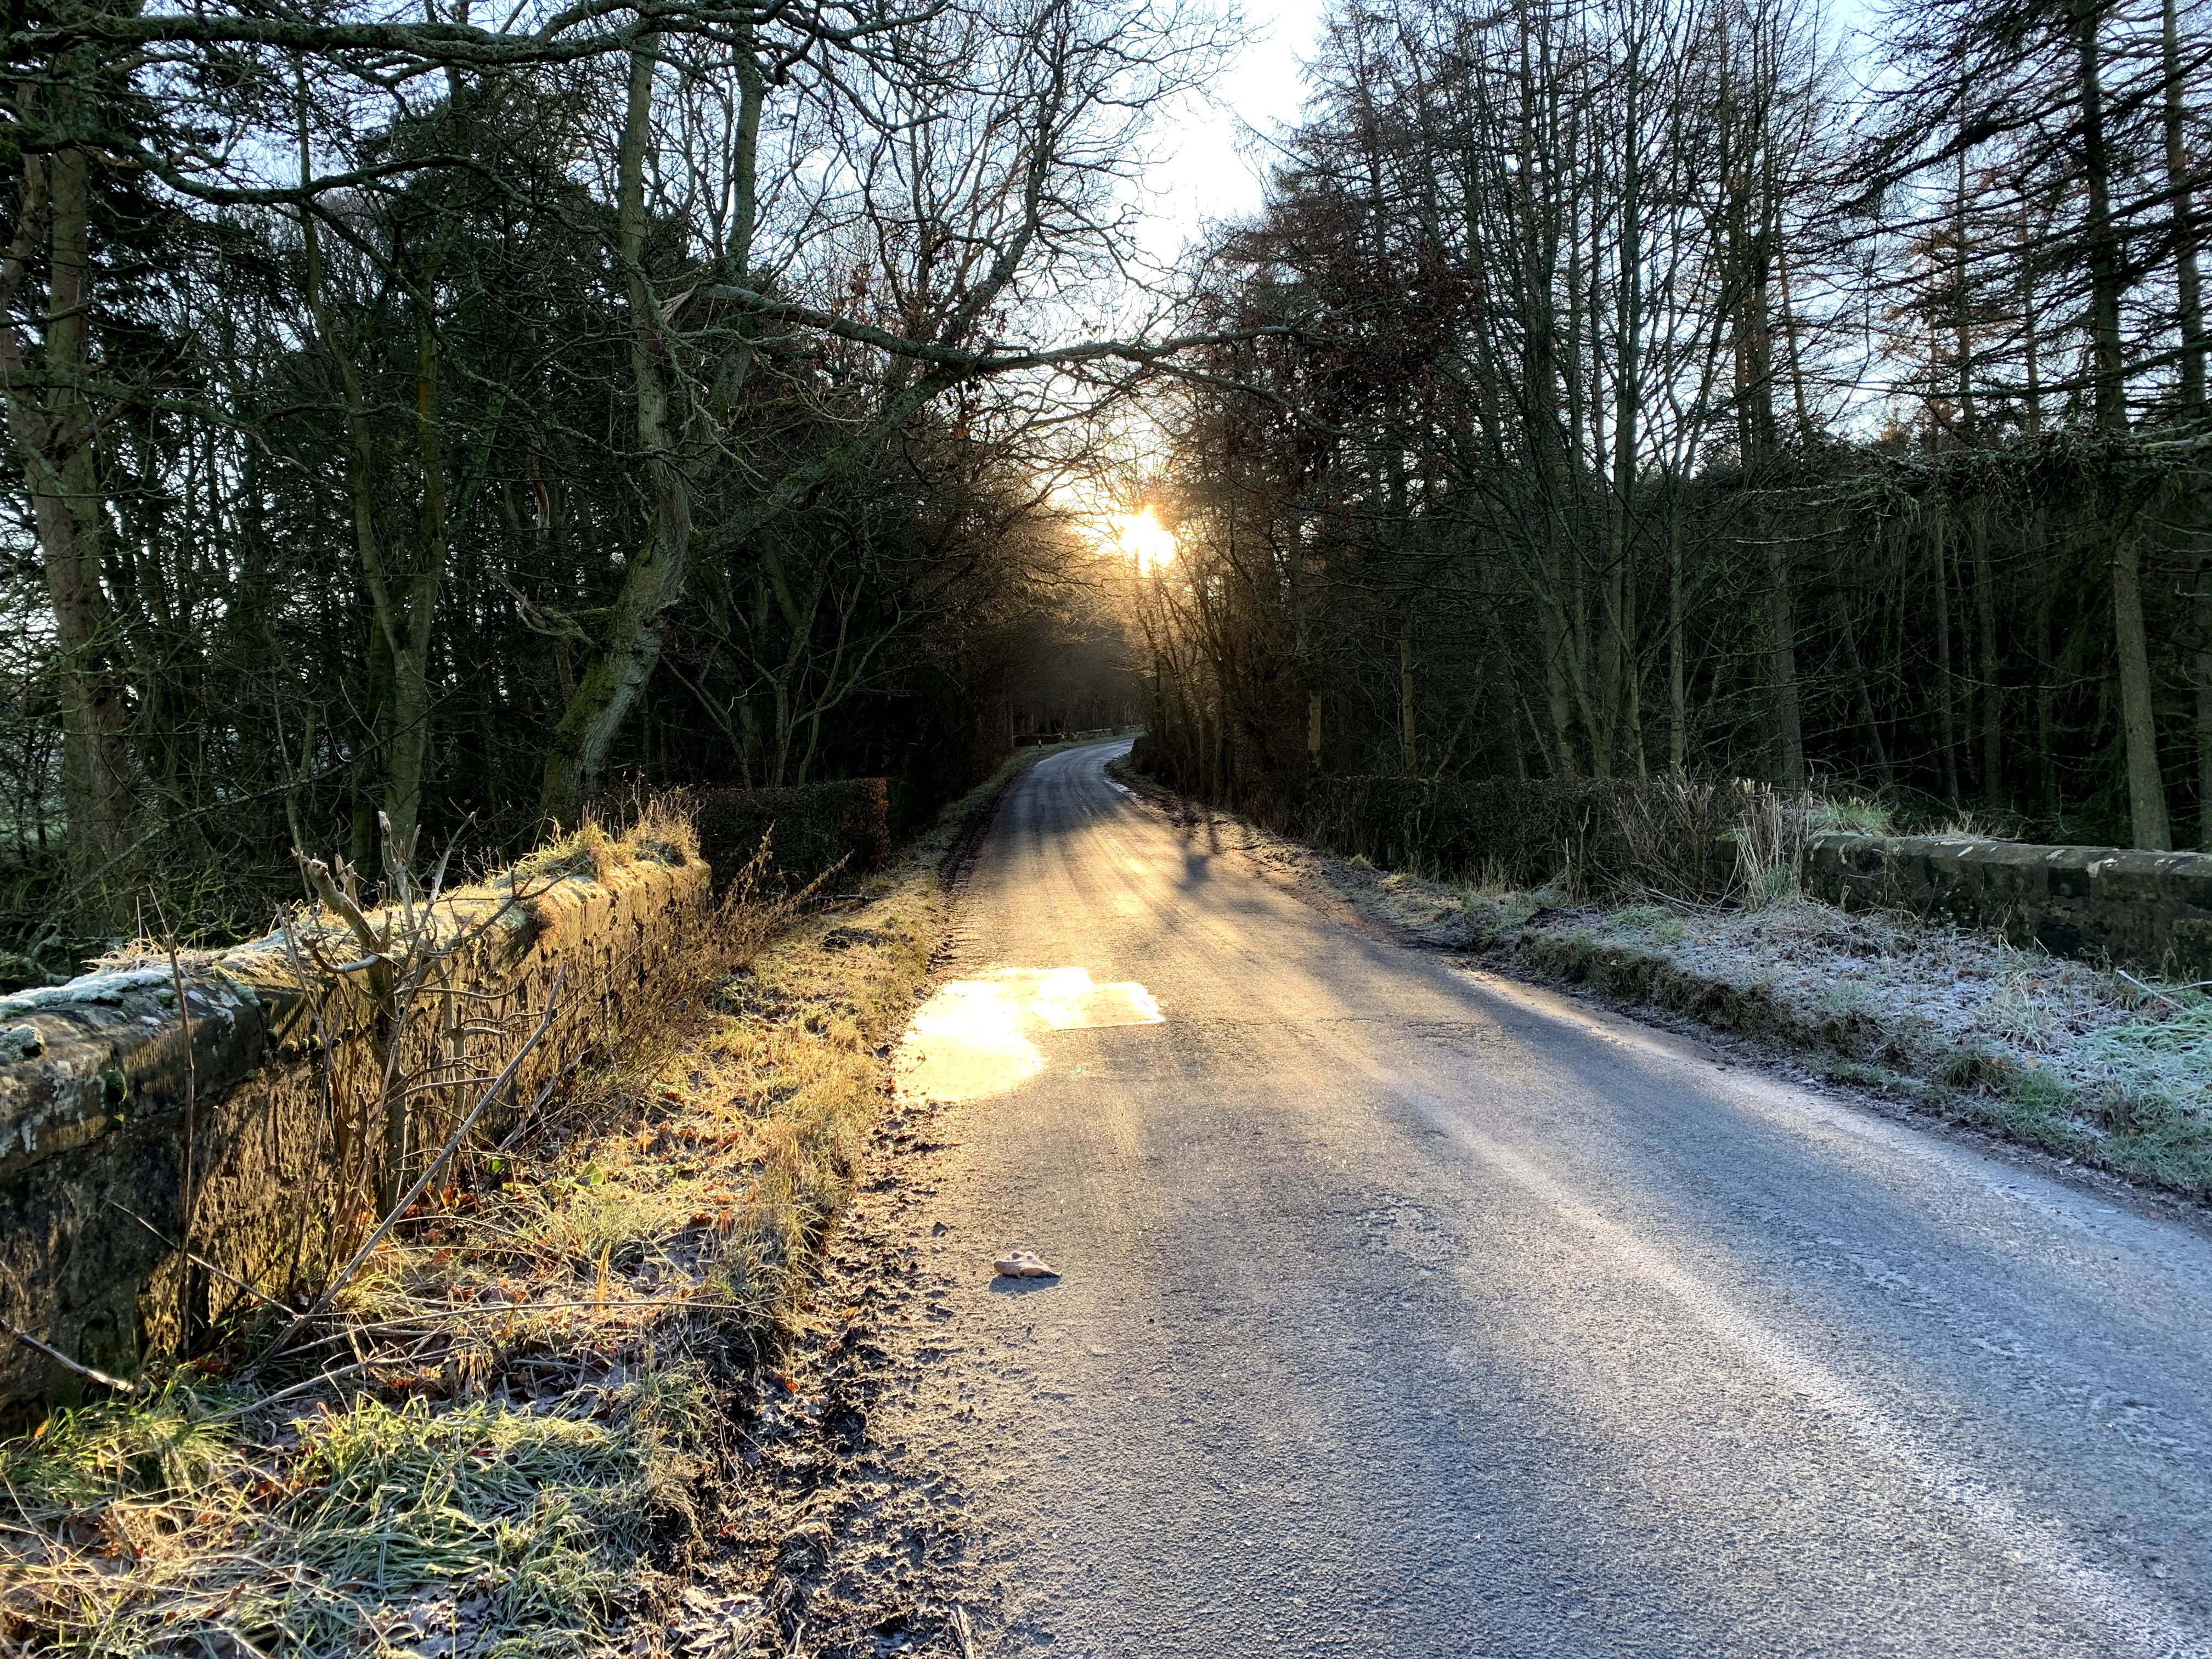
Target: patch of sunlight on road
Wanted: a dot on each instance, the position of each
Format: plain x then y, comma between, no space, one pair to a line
976,1037
1065,1001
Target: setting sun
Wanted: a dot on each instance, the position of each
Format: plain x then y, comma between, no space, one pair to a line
1143,537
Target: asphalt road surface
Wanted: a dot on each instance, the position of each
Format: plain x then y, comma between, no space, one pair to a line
1406,1310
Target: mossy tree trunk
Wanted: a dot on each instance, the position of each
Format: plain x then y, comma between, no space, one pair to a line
52,421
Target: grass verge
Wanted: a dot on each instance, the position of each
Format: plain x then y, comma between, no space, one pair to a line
504,1439
2101,1066
2098,1067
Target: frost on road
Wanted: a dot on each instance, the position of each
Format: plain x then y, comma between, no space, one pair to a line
1411,1310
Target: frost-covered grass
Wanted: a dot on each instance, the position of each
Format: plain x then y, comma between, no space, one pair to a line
473,1453
2099,1064
190,1524
1859,817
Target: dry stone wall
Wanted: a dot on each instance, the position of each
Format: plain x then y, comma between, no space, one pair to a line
128,1113
2145,910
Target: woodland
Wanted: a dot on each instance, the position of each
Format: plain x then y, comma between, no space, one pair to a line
427,429
1634,389
434,425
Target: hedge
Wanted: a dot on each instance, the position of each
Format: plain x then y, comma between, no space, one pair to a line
808,829
1609,837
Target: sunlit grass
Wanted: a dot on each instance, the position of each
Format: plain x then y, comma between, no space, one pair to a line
541,1355
184,1526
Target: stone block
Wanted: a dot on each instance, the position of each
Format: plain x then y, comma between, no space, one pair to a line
108,1087
2128,877
2143,909
2067,872
2011,875
2189,886
2189,953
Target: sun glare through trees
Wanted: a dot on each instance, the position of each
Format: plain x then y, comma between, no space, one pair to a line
1140,537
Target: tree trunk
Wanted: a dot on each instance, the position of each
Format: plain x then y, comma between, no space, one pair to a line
55,438
1409,752
362,773
1677,667
1847,634
2204,664
2030,414
577,756
2191,319
1985,604
2138,721
1782,624
1625,671
2046,682
1946,724
2146,788
2186,278
2138,725
412,608
2106,279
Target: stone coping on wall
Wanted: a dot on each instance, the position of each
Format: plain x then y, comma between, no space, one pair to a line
111,1089
2141,909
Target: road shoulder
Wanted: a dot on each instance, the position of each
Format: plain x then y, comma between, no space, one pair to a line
1921,1058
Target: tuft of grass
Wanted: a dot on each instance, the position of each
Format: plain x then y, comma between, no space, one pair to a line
661,831
1844,998
2042,1092
2150,1081
536,1511
1654,922
1970,825
2174,1054
2016,1013
533,1402
590,1220
1488,914
1857,817
362,1529
82,1458
1775,885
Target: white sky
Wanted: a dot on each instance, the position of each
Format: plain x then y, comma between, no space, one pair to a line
1208,170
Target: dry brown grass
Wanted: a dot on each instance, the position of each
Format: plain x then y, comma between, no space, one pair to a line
471,1451
660,828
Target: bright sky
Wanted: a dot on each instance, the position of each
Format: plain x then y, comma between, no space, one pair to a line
1209,168
1211,164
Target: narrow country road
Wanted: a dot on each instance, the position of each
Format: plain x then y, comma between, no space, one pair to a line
1409,1312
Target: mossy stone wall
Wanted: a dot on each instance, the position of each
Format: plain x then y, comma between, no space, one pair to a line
2139,909
109,1087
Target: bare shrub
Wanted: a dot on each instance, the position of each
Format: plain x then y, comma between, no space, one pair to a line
1678,839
